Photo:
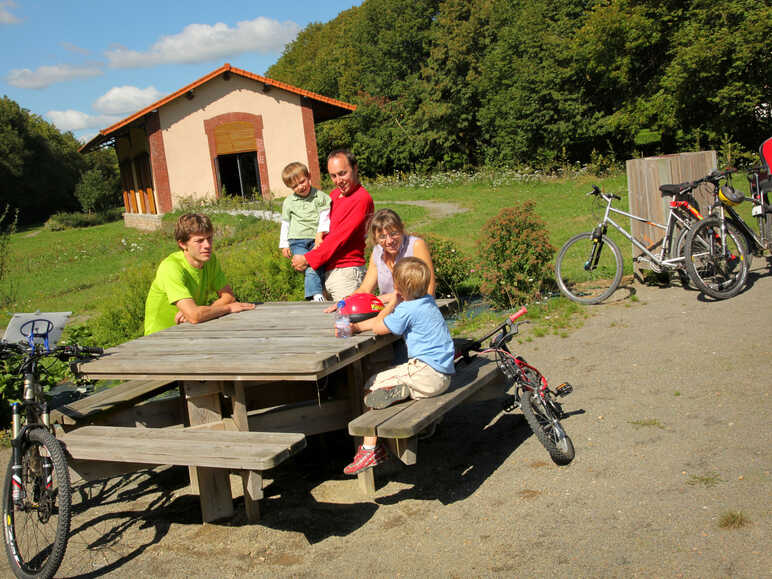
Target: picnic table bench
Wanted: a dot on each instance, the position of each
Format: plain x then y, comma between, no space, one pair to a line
249,453
400,424
100,403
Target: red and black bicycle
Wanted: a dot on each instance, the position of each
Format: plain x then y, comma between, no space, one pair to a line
532,393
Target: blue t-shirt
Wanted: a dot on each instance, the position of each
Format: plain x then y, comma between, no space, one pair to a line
426,333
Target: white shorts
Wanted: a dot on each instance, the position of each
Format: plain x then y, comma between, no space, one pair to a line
422,380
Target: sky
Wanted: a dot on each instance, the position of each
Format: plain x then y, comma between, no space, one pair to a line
84,65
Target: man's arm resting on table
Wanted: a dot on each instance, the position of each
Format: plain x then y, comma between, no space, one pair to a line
225,304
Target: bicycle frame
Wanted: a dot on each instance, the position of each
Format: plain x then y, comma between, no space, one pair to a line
661,260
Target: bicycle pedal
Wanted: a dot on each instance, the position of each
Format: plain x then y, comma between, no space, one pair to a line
564,389
510,404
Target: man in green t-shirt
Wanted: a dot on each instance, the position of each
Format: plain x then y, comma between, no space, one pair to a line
187,280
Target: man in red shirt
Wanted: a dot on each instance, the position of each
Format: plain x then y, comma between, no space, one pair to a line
342,253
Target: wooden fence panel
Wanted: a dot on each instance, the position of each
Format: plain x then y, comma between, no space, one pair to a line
644,177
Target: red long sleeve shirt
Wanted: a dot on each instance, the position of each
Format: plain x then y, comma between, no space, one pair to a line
344,245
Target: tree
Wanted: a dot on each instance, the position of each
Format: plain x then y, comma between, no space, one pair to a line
39,165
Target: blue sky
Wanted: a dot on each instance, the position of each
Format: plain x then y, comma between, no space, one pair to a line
86,64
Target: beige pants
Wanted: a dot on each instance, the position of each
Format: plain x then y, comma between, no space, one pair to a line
343,281
422,380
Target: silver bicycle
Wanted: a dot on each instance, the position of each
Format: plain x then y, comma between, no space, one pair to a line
589,266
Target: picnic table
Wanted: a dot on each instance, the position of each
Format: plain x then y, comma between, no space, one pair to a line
275,369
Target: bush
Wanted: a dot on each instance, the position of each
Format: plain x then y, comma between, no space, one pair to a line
452,268
62,221
515,255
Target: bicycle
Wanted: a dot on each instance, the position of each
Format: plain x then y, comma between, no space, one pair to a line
587,274
719,251
532,395
37,492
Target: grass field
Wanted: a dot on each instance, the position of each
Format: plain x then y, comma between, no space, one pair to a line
78,269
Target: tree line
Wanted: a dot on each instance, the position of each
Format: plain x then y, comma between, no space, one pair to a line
41,170
448,84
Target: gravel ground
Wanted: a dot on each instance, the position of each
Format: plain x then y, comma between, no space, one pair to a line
671,434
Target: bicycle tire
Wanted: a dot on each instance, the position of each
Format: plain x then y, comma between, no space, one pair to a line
718,269
683,275
547,428
588,286
36,535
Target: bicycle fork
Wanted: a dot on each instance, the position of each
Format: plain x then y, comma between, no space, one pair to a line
597,245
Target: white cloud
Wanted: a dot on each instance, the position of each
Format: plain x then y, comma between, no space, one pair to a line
71,120
45,76
5,12
202,42
126,99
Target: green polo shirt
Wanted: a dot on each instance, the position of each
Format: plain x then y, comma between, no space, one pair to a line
302,213
175,280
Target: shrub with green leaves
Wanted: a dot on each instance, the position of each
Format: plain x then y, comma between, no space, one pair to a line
451,267
515,256
96,192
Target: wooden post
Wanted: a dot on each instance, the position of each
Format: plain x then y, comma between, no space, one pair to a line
644,177
252,482
214,487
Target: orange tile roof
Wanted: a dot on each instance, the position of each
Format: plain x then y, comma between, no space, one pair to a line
105,133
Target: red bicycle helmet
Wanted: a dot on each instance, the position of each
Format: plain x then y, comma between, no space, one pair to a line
360,307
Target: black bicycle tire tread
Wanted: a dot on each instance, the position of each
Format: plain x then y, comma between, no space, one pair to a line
64,499
614,283
694,276
557,455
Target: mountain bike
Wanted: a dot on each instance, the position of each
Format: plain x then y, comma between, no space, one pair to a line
37,492
719,250
532,395
589,266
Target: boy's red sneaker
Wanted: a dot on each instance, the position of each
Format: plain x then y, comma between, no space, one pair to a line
366,458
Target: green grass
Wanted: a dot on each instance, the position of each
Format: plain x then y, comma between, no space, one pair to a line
77,269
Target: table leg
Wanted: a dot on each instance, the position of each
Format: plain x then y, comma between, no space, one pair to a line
214,487
251,481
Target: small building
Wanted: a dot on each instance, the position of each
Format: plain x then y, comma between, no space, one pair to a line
230,131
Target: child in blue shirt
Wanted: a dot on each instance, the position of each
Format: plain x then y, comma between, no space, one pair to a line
305,218
429,348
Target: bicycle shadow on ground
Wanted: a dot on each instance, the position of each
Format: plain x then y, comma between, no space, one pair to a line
98,541
761,268
471,443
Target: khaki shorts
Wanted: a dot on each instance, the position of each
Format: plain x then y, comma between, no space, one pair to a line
341,282
422,380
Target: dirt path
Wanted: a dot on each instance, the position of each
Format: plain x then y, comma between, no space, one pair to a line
674,434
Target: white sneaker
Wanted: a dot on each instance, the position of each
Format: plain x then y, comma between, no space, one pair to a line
319,298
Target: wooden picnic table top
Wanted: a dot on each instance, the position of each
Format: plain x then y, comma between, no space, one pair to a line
275,341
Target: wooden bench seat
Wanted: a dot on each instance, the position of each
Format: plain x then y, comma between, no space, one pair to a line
400,423
119,396
209,450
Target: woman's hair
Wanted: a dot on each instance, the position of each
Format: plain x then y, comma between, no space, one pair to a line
412,277
383,219
192,224
293,173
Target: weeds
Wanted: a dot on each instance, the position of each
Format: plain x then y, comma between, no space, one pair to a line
646,423
707,480
733,520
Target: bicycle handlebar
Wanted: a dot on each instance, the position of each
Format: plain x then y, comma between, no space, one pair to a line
596,191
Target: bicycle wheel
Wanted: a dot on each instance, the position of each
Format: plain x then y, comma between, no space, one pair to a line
542,418
37,527
683,275
717,264
581,281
